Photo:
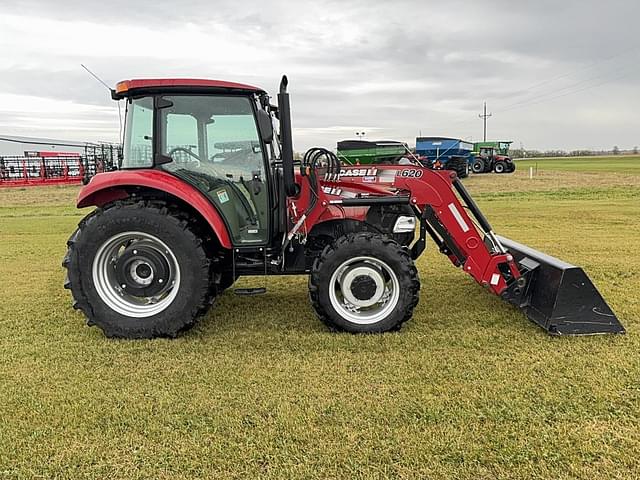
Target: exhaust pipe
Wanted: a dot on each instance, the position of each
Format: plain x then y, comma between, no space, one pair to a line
558,296
291,187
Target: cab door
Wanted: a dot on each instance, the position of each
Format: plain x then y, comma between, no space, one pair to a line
213,143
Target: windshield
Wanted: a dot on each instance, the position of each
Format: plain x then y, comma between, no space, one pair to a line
138,151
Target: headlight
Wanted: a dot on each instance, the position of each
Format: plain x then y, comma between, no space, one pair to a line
405,224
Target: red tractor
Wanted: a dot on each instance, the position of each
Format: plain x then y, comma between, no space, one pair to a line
208,190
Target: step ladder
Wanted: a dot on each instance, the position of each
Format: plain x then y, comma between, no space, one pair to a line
251,290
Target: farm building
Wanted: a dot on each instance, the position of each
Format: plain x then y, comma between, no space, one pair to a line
17,146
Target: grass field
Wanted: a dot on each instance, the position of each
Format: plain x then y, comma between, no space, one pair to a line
469,389
617,164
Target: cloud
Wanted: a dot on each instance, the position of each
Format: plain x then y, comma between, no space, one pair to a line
552,72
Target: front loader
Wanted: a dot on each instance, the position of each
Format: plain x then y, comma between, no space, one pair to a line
208,191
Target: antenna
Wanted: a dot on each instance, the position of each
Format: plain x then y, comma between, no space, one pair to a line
97,78
112,92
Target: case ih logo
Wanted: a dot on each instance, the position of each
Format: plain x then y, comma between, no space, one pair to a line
359,172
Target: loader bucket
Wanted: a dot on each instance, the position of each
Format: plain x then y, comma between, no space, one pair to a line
558,296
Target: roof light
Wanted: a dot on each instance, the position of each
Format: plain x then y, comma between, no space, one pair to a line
122,86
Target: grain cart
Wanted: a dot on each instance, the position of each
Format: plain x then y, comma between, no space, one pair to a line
443,153
208,190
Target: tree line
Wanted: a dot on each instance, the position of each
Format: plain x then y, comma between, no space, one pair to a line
524,153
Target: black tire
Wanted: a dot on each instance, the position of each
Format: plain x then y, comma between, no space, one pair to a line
500,167
373,247
464,172
195,292
477,166
512,167
459,165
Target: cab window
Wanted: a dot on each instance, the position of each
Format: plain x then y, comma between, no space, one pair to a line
213,143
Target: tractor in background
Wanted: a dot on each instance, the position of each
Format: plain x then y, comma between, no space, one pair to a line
491,157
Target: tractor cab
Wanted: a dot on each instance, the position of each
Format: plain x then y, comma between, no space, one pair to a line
210,137
486,153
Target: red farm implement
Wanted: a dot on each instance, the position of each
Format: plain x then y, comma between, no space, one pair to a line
55,168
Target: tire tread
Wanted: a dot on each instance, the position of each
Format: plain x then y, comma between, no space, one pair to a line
350,241
73,280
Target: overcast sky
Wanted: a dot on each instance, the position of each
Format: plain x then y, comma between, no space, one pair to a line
555,73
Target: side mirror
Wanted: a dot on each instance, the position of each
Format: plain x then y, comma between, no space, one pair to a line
265,126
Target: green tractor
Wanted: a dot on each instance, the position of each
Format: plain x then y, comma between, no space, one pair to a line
492,157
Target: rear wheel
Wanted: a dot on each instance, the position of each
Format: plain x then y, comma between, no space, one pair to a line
477,166
460,166
500,167
364,283
138,270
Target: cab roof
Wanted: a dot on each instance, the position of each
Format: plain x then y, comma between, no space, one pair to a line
162,85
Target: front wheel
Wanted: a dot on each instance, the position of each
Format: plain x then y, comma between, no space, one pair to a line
138,270
364,283
500,167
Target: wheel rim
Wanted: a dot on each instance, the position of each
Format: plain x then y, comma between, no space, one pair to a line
364,290
136,274
499,168
477,167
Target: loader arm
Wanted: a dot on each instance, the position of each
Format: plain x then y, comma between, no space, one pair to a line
554,294
432,194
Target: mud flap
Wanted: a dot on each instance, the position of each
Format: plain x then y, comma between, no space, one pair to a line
558,296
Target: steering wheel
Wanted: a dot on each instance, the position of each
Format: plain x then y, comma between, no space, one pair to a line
185,150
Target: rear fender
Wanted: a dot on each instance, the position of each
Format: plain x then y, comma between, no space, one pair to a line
110,186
